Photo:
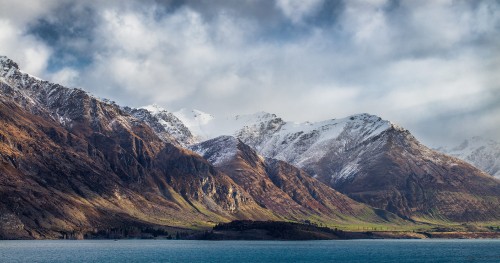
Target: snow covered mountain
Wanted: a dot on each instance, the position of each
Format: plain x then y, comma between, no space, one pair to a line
301,144
305,144
480,152
165,124
379,163
316,147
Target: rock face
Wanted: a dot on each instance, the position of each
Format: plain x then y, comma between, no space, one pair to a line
70,162
288,191
380,164
480,152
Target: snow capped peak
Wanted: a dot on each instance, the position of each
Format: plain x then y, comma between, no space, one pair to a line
194,115
165,124
480,152
153,108
256,117
7,63
364,116
307,143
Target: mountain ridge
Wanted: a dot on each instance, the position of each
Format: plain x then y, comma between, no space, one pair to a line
106,166
74,163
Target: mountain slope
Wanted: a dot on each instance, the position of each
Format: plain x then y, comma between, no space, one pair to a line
482,153
283,188
72,163
397,173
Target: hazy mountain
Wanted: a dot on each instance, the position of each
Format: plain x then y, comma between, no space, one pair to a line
478,151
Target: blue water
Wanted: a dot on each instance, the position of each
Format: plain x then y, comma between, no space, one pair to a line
251,251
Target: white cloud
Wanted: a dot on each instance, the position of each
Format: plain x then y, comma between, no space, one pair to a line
20,13
414,63
297,10
67,77
367,25
31,55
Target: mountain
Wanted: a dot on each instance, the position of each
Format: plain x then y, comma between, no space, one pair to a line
480,152
71,163
381,164
288,191
376,162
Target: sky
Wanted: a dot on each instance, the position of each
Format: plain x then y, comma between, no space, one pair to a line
431,66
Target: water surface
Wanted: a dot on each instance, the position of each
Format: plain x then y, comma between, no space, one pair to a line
483,250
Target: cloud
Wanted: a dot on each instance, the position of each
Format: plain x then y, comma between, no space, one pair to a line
32,55
21,13
66,76
297,10
431,66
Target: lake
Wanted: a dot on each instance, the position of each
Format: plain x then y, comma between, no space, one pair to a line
431,250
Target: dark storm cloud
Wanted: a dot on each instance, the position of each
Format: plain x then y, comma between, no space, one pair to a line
430,66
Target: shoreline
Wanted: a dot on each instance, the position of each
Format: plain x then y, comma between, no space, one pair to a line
232,236
260,230
274,230
250,235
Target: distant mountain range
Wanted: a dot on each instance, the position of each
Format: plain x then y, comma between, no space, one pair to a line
71,163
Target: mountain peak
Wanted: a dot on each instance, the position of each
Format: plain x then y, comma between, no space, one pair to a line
258,116
165,124
7,63
364,116
153,108
193,116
